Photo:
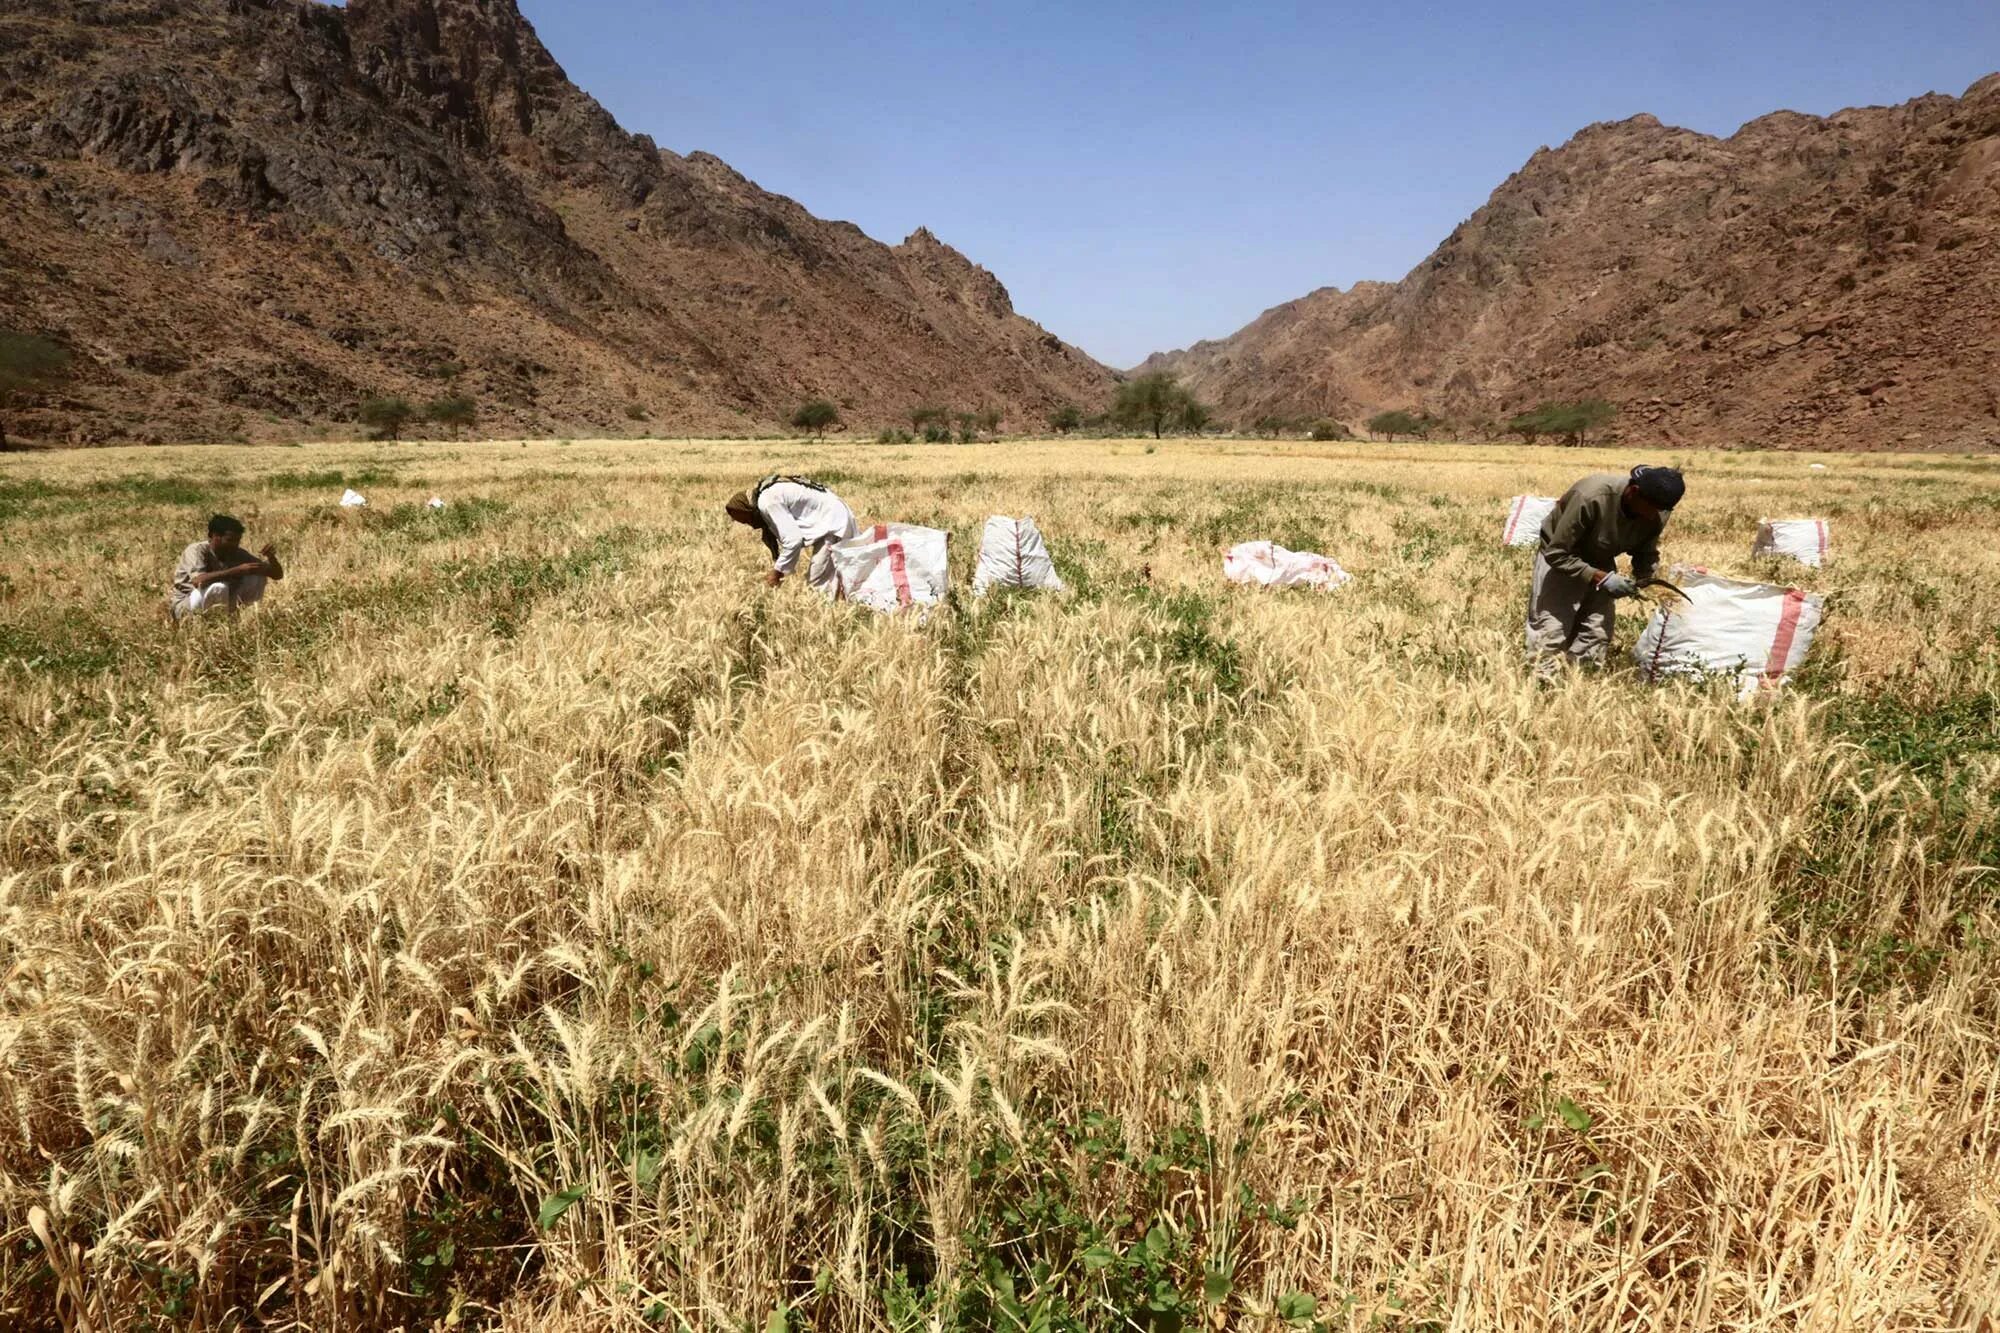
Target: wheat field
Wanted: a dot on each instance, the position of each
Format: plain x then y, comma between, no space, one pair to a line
525,919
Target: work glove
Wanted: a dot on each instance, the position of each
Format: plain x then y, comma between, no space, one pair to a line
1617,585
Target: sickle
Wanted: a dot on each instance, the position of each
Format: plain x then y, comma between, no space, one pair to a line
1666,586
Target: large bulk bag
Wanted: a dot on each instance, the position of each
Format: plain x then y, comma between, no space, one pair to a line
1755,633
1269,565
1802,539
1012,554
1524,519
892,565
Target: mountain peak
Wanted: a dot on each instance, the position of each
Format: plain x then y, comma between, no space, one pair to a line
1825,281
476,72
951,274
255,213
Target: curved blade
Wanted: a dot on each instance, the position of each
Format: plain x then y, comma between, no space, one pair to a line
1665,585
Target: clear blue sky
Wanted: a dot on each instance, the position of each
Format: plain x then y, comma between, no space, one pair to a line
1144,175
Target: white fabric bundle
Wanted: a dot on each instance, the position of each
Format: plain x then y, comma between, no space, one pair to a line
1269,565
433,503
1754,632
893,565
352,499
1524,519
1012,554
1803,539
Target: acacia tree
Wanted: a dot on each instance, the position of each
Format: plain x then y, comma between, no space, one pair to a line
456,413
26,362
931,422
1573,421
816,416
1530,426
1065,418
1586,415
386,416
1396,423
1157,401
1148,402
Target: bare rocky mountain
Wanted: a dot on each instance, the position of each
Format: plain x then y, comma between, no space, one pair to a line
1806,282
241,215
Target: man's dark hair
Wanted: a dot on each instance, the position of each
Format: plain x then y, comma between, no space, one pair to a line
224,524
1662,485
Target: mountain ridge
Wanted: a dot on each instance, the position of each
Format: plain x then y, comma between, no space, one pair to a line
1805,281
244,214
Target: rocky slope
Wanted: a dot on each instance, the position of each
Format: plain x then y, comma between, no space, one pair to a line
1806,282
244,215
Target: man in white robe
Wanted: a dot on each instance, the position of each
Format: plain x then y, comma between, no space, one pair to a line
794,515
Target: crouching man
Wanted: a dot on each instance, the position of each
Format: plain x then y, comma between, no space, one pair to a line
1572,600
219,573
794,515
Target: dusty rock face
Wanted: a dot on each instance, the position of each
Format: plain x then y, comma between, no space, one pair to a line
242,215
1807,282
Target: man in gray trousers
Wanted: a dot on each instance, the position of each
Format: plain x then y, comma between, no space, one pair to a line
1577,583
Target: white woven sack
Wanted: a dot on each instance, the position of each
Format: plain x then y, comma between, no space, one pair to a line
1803,539
893,565
434,503
1012,554
1524,519
1269,565
1754,632
352,499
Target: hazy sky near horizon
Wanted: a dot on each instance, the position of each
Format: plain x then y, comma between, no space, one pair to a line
1144,175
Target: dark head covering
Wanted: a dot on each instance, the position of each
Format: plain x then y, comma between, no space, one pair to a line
1664,486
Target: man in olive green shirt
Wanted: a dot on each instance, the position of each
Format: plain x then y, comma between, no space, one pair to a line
1572,600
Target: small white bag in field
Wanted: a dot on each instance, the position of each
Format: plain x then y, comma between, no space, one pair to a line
433,503
1755,632
352,499
1803,539
1524,519
893,565
1012,554
1271,566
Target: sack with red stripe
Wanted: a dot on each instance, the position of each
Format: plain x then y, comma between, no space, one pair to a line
1756,634
1524,519
1269,565
1012,554
893,565
1802,539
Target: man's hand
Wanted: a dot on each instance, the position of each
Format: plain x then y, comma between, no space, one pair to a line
268,552
773,579
1617,585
